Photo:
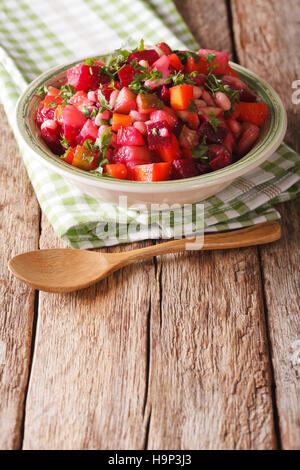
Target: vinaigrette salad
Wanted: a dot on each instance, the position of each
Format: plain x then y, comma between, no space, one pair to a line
151,114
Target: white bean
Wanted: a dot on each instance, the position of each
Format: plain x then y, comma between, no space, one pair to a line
207,98
144,63
223,101
235,126
197,92
200,103
92,96
113,98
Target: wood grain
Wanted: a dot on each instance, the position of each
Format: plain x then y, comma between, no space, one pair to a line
208,21
89,374
161,355
19,232
266,34
209,382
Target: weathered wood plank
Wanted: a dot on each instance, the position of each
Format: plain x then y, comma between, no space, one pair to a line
203,15
19,232
210,384
213,390
89,374
266,34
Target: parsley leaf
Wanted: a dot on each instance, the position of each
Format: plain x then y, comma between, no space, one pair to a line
103,102
52,104
64,142
89,62
215,122
42,91
192,108
200,152
66,92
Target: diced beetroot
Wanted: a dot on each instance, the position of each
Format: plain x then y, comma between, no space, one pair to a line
221,60
237,84
164,94
130,136
150,55
107,89
163,115
229,141
248,138
51,133
188,137
126,101
137,155
200,79
73,121
126,75
89,131
212,136
220,157
85,77
159,135
44,114
202,168
184,169
162,65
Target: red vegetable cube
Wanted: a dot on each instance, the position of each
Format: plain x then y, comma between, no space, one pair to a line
159,135
130,136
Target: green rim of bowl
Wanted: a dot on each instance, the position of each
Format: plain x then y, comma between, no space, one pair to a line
276,128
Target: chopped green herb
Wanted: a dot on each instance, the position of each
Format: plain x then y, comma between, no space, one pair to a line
192,108
90,62
64,142
215,122
200,152
94,112
103,101
66,92
155,131
42,91
180,78
210,57
52,104
184,55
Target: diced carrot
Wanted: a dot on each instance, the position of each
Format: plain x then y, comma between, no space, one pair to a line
118,170
69,156
119,120
84,158
168,154
255,113
152,172
181,96
51,101
175,62
59,113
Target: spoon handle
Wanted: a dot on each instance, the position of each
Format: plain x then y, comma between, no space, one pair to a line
259,234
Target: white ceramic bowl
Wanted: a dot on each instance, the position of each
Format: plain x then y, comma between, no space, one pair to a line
181,192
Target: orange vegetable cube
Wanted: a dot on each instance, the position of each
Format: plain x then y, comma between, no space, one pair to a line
119,120
181,96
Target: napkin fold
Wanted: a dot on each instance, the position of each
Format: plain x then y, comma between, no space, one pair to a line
36,35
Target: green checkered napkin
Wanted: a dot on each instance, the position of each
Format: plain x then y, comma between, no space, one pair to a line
37,34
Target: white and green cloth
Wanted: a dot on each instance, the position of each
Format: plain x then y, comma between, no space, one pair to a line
38,34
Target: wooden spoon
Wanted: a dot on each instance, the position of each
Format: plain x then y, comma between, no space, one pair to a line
67,270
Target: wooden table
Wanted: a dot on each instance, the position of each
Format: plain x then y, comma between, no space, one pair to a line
195,351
